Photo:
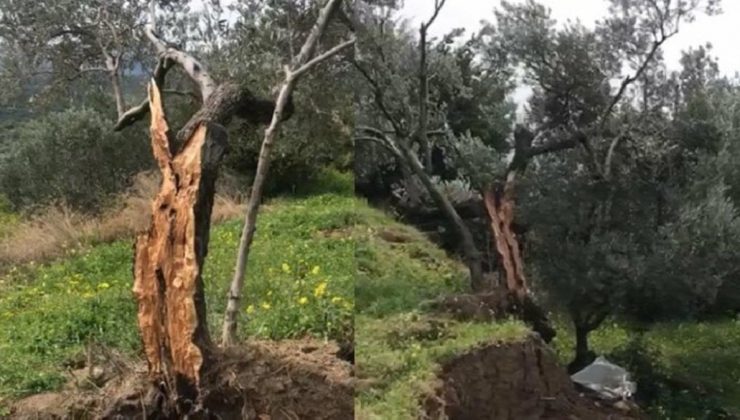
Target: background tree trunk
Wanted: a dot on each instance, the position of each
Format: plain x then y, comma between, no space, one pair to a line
473,257
301,65
500,207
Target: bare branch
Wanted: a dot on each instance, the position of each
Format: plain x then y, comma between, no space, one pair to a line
387,145
323,57
438,4
631,79
140,111
308,48
379,97
263,164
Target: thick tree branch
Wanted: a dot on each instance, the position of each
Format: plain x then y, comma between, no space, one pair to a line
631,79
194,69
555,144
140,111
421,132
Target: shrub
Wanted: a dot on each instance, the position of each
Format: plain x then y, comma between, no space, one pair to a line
71,156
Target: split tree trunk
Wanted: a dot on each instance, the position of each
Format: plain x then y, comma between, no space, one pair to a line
169,260
500,207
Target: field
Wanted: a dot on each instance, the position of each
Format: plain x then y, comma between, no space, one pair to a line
300,283
326,265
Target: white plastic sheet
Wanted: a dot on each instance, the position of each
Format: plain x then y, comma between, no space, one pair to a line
607,379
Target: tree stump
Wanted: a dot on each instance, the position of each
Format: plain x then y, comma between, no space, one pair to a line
169,257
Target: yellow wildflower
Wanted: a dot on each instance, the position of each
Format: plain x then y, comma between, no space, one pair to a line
103,286
320,289
266,306
315,270
303,300
250,309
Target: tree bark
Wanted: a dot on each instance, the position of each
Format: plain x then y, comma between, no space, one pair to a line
500,207
473,257
228,336
424,147
301,65
169,260
584,356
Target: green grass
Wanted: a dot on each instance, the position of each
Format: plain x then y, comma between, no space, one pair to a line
299,282
8,219
399,349
690,370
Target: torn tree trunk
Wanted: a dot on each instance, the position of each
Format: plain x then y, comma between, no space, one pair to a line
500,207
169,260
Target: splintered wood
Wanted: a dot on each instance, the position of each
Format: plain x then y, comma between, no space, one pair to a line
500,207
169,256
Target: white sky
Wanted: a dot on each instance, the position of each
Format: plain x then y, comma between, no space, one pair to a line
721,31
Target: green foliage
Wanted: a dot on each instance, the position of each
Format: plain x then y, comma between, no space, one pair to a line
266,37
299,282
70,156
683,370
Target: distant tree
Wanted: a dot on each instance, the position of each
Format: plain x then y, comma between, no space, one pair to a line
612,193
407,113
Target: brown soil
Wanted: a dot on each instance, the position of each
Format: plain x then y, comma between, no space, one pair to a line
260,380
517,381
495,305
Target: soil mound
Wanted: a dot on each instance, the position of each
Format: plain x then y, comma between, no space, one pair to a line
495,305
517,381
260,380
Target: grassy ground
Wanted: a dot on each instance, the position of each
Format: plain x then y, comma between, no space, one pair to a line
318,262
398,347
300,282
690,370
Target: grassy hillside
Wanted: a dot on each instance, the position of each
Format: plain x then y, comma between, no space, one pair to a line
689,370
299,283
319,263
398,347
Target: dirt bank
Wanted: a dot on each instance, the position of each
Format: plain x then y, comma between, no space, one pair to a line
517,381
285,380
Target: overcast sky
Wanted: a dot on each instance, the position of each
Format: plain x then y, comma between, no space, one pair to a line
721,31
